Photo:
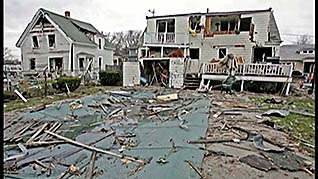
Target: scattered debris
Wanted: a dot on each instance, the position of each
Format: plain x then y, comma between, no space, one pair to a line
274,112
168,97
194,167
273,101
20,95
258,143
257,162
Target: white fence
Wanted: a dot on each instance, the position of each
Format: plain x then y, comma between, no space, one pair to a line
251,69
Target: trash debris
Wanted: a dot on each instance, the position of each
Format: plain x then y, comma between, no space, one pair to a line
162,160
273,101
258,143
274,112
168,97
194,168
217,114
257,162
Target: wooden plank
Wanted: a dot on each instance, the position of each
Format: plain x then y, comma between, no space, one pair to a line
90,169
94,148
37,133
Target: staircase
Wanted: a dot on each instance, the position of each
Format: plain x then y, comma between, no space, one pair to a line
192,81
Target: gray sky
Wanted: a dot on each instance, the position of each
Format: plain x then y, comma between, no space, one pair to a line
292,16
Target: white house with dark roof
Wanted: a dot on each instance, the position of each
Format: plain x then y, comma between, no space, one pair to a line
63,44
301,56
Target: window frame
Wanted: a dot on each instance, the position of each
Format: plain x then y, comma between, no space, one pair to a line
48,41
32,60
218,54
38,42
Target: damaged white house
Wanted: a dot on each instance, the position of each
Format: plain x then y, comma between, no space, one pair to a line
62,44
200,40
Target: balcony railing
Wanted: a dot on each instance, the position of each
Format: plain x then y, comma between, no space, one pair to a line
251,69
166,38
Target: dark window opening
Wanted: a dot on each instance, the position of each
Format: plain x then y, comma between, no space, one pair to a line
162,26
143,53
261,54
195,23
100,63
194,53
100,43
35,42
32,64
90,62
245,24
51,40
222,53
224,25
59,64
81,63
310,51
170,27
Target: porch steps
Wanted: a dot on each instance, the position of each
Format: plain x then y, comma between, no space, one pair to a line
192,82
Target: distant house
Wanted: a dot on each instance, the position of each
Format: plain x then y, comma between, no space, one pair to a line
63,44
301,56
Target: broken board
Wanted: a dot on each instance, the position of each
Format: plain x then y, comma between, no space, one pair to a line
176,68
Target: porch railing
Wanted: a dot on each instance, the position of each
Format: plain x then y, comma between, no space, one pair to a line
166,38
250,69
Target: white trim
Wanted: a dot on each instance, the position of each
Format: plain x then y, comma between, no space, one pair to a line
218,51
48,60
165,45
69,58
48,40
37,38
80,43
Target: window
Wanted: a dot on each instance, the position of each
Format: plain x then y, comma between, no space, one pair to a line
35,42
51,39
166,25
310,51
100,59
305,51
90,62
81,63
222,53
224,25
99,43
32,64
245,24
194,53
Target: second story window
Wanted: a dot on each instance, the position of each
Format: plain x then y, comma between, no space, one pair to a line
245,24
51,39
35,42
166,30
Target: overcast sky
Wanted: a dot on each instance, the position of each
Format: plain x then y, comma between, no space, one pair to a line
292,16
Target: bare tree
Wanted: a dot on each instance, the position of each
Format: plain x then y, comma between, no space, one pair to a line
122,41
304,39
7,54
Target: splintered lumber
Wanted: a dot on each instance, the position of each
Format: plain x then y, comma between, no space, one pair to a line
93,148
35,144
194,167
24,153
205,141
52,129
168,97
90,169
20,95
37,133
302,113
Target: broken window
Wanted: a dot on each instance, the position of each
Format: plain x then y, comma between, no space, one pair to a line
195,23
90,62
222,53
51,38
99,43
81,63
35,42
245,24
32,64
227,23
194,53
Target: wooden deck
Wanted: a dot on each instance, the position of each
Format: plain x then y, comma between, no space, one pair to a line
250,72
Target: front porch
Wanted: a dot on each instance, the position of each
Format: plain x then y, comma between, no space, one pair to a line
250,72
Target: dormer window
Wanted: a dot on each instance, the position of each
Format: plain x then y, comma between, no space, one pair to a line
35,42
51,39
305,51
310,51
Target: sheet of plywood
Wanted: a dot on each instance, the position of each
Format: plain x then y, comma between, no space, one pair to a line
176,68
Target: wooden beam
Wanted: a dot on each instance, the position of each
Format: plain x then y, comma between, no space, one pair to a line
93,148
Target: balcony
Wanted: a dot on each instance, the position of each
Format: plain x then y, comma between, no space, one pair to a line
169,38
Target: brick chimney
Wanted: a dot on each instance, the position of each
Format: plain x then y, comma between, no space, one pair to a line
67,14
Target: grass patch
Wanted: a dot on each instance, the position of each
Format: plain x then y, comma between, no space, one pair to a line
81,91
300,126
